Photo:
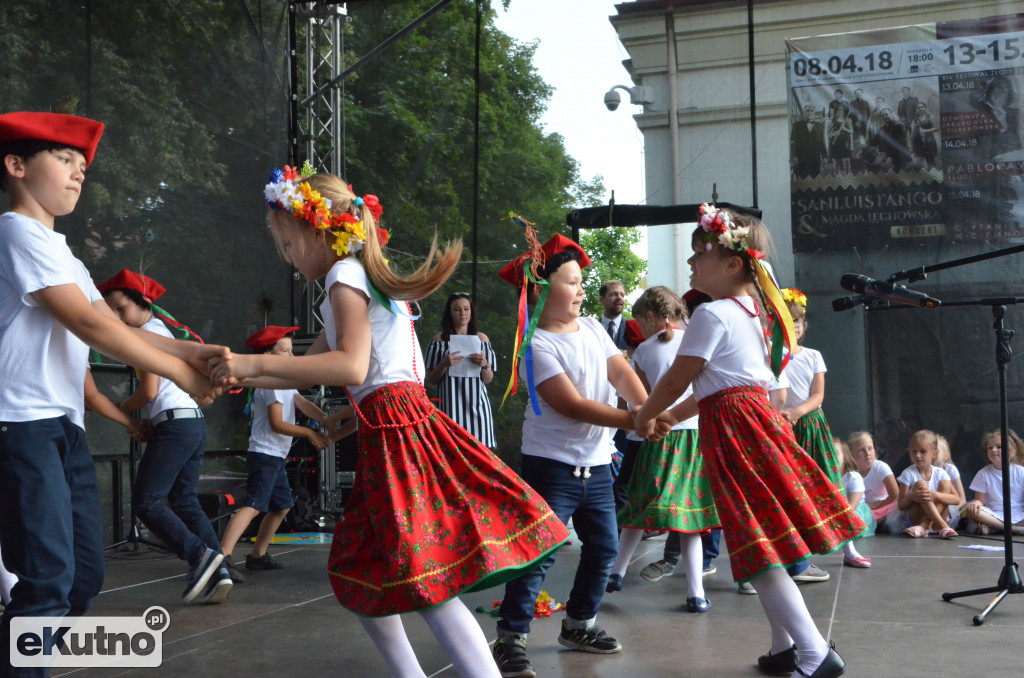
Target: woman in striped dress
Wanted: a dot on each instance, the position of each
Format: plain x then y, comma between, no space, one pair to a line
464,399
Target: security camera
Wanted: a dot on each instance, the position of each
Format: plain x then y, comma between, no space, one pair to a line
612,99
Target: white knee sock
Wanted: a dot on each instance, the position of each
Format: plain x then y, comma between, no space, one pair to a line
7,582
628,540
462,639
388,634
692,558
785,607
850,551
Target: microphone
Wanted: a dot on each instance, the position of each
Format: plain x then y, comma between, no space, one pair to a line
861,284
845,303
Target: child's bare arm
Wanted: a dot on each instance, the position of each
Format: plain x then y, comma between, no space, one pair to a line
626,381
904,501
854,499
946,494
111,337
560,394
892,487
149,384
309,409
671,385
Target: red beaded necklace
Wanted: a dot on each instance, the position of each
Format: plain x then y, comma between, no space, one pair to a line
740,304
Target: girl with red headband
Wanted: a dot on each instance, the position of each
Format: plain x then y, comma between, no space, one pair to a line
433,512
170,466
774,502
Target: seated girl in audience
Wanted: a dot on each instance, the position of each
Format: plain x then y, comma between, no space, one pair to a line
945,462
880,488
925,491
853,484
985,513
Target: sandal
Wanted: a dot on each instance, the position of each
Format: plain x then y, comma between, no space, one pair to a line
916,531
947,533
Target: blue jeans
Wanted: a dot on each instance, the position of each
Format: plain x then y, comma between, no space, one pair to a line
267,488
51,530
170,469
591,505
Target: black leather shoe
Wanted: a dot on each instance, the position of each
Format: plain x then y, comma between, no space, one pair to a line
781,664
698,604
832,667
614,583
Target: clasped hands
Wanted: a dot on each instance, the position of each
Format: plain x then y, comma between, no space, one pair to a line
654,429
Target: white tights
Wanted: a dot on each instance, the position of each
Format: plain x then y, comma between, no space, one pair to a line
691,559
790,621
7,582
850,551
456,630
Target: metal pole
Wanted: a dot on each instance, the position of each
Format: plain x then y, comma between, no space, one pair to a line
753,100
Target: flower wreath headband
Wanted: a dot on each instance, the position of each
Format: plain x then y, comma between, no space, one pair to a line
792,295
285,191
719,229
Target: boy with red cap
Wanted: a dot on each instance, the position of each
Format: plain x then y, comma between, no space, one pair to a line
273,427
567,446
164,496
50,522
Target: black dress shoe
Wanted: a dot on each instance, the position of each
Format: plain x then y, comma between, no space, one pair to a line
696,604
832,667
614,583
781,664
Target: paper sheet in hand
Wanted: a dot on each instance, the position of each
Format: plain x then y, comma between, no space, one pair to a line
464,344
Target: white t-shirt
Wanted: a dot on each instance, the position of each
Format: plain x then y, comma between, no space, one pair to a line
168,395
801,370
394,349
733,345
952,470
583,357
874,485
655,357
262,438
853,482
43,363
911,475
990,481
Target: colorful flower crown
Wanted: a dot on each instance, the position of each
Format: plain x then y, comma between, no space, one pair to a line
286,191
792,295
718,228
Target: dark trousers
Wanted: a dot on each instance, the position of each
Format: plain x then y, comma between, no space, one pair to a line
590,504
629,449
710,543
170,469
51,530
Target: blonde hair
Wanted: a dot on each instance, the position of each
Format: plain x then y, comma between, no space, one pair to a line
929,438
945,455
1011,436
847,462
662,303
421,283
858,435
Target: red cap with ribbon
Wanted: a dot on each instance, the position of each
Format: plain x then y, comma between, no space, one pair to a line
150,289
634,335
512,272
73,130
268,336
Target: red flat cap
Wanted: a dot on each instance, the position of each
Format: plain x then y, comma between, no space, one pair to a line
130,280
512,272
268,336
73,130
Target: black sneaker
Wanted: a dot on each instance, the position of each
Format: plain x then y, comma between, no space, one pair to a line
510,656
593,640
199,575
219,586
236,576
264,562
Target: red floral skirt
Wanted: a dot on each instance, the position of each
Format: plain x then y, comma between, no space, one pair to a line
814,436
433,512
776,505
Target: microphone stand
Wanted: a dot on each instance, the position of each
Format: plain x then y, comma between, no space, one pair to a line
1009,578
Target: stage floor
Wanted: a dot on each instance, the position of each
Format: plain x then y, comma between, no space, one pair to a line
888,620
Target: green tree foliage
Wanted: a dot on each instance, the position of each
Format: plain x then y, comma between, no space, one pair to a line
612,258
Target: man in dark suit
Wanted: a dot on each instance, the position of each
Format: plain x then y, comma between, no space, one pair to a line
808,140
613,301
861,111
906,110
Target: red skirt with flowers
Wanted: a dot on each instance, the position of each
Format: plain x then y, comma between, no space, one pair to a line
433,512
776,505
815,437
